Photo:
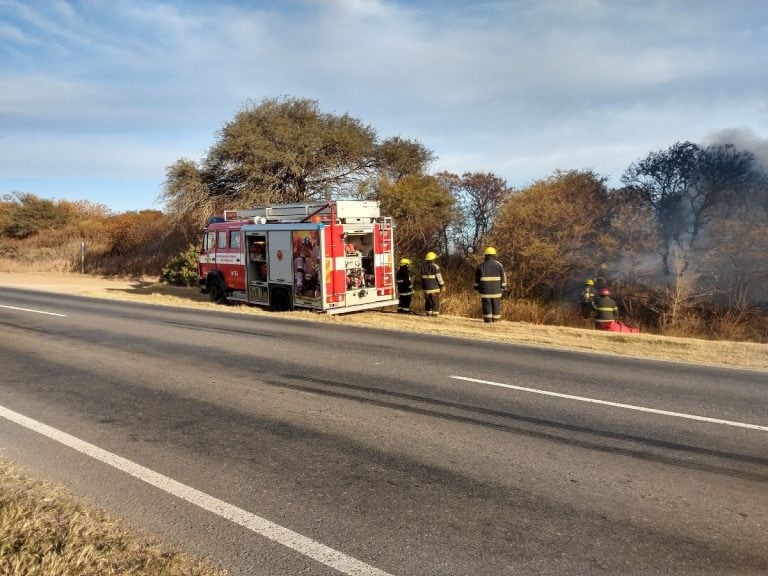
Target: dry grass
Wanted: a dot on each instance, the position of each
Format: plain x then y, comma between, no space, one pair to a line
716,353
14,266
45,532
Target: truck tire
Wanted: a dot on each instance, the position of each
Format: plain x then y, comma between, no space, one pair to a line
280,300
217,292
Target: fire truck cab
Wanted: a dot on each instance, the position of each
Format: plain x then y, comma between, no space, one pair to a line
332,257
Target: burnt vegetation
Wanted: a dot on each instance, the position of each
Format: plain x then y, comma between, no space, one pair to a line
684,241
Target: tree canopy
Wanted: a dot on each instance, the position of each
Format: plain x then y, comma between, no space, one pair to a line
422,210
287,150
553,231
398,158
24,214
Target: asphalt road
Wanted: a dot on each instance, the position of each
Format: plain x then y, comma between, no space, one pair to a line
286,447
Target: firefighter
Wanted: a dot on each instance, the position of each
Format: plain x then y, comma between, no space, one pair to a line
431,284
404,287
605,310
602,278
490,282
586,297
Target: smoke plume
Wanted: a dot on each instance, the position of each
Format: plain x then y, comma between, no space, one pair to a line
743,139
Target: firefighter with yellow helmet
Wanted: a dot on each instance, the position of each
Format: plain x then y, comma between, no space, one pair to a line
490,282
431,284
404,286
586,297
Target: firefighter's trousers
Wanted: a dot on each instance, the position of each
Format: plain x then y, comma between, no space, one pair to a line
432,304
404,303
491,309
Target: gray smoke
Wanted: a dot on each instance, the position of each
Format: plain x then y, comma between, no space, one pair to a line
743,139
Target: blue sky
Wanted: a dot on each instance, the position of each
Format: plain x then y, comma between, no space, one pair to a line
99,97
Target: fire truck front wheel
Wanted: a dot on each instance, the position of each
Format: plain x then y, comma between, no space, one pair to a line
216,291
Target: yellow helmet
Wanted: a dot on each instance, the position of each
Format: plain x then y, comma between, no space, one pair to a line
490,251
590,282
404,262
430,256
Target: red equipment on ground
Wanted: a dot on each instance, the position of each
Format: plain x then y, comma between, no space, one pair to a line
619,327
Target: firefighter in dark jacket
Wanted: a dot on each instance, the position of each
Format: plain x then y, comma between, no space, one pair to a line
490,282
431,284
605,310
404,287
602,278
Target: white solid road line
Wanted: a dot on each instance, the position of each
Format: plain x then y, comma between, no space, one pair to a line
293,540
35,311
616,404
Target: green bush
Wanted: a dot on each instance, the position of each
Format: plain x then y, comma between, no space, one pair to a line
181,270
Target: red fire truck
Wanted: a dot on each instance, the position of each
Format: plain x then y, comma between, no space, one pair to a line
333,257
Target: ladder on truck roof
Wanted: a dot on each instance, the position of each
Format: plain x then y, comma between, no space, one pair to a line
346,211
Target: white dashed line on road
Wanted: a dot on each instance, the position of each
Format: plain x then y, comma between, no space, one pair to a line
35,311
615,404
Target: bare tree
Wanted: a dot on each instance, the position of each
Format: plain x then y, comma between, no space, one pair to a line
686,186
736,261
677,305
479,195
186,194
633,238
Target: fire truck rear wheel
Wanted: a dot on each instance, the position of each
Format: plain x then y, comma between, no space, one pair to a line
216,292
280,300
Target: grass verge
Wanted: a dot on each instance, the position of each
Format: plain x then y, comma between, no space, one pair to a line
44,531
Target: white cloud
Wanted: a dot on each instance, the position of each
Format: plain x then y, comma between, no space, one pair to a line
40,95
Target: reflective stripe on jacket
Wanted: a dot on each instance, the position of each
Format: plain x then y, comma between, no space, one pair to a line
490,279
431,278
605,309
